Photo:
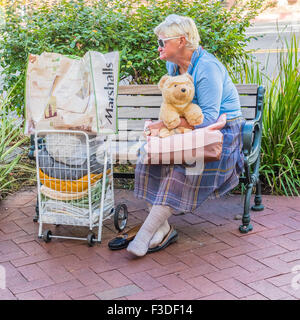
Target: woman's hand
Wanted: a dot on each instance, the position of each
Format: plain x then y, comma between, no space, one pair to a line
154,128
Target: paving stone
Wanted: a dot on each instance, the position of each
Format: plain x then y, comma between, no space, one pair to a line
150,294
192,218
257,275
283,279
294,235
204,286
210,248
174,283
32,272
290,256
84,291
32,248
30,285
6,294
118,292
226,273
218,260
188,294
236,251
268,233
267,252
255,296
168,269
115,278
144,281
55,289
55,271
191,259
236,288
164,258
292,290
268,290
277,264
258,241
211,260
247,262
30,295
205,268
86,276
9,227
220,296
89,297
139,265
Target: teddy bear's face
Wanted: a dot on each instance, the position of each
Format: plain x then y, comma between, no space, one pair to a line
177,90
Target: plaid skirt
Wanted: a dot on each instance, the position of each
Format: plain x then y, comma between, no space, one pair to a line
170,185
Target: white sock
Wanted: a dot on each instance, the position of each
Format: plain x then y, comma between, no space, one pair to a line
159,235
140,244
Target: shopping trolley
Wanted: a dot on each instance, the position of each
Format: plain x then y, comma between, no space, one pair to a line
75,183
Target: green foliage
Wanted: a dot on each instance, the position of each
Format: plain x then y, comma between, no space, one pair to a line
10,139
281,134
74,27
280,162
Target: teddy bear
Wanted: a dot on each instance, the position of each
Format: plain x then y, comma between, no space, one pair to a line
178,93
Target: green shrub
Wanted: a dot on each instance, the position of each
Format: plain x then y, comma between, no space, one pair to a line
11,138
280,160
74,27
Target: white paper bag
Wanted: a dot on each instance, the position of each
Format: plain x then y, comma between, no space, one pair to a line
72,93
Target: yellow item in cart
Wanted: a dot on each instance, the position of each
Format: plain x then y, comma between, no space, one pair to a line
68,185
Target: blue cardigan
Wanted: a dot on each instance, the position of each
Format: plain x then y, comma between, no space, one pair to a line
215,92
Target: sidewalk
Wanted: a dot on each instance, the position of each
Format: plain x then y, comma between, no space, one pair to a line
210,260
282,14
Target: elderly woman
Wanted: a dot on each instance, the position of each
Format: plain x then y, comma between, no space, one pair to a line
169,187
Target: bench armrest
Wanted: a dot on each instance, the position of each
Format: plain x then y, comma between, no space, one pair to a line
252,133
252,130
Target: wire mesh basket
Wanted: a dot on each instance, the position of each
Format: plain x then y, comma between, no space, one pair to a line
75,186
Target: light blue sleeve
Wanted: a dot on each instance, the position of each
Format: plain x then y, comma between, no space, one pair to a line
209,91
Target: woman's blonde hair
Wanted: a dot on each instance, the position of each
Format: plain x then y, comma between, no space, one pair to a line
175,25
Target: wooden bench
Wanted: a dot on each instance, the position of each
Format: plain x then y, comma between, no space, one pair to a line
136,103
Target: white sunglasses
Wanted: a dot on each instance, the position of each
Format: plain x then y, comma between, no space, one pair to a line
161,42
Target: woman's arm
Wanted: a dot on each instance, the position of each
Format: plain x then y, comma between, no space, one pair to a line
209,90
153,128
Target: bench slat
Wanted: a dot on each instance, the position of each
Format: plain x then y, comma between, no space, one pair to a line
131,124
153,113
153,89
155,101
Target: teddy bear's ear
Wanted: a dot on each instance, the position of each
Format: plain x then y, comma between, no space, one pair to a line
162,81
190,77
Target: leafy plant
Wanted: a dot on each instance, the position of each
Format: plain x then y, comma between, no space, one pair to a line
10,139
74,27
281,134
280,161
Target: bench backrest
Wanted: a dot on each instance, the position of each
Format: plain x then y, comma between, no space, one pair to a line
139,102
136,103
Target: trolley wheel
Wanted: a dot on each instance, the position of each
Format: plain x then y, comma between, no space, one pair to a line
47,235
91,239
120,216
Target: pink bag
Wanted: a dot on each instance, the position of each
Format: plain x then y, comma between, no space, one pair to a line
203,144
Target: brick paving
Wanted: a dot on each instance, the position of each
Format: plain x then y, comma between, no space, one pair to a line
211,260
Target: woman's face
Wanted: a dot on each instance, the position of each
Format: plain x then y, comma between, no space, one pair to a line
171,48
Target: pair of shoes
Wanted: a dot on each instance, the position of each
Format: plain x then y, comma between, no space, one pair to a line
171,237
123,238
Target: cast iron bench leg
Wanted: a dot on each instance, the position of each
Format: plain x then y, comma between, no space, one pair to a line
246,226
258,198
